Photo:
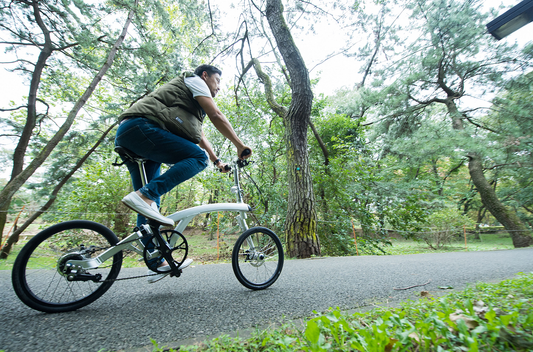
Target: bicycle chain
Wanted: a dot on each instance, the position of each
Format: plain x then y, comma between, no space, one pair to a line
127,278
133,277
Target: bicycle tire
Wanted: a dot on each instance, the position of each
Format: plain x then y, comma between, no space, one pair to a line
37,277
257,267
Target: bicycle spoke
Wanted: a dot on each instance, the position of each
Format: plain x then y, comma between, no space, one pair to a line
40,272
257,258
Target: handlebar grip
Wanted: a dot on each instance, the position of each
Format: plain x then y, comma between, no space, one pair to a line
226,168
246,152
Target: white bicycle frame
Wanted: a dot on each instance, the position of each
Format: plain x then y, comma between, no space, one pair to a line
181,219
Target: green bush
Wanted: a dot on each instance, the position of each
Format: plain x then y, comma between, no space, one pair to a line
442,226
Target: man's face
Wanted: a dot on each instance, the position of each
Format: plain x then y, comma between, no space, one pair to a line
213,82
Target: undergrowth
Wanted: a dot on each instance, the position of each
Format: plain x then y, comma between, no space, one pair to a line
484,317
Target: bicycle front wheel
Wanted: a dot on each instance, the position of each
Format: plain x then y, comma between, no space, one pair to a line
257,258
40,272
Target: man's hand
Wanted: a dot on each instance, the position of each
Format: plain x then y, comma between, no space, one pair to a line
244,152
223,167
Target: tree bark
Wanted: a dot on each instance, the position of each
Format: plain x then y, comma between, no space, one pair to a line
520,235
301,223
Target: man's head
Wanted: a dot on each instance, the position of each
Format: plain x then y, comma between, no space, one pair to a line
211,76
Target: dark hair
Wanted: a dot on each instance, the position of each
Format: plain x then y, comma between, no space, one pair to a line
207,68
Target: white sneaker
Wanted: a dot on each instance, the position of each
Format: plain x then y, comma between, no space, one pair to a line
156,277
136,203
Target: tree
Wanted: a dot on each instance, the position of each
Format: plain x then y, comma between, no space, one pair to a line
510,115
77,40
56,35
301,222
6,249
452,58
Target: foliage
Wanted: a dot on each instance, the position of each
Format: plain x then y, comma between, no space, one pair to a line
483,317
421,125
443,225
78,44
391,164
356,185
95,195
513,165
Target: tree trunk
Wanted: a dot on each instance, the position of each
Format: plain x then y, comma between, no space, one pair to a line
302,239
3,220
519,233
325,153
31,116
301,223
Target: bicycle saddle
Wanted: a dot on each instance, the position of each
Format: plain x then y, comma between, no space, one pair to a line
128,155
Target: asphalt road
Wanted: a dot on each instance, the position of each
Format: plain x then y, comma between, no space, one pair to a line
208,300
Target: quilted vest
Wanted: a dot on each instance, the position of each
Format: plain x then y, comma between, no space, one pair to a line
173,107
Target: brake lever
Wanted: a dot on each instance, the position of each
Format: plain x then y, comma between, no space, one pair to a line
243,163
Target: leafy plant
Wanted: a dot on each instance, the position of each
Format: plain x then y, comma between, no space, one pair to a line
484,317
443,226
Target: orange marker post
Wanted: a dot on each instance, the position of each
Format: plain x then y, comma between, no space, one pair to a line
218,236
464,231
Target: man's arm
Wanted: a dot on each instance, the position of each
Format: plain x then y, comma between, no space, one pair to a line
221,123
204,144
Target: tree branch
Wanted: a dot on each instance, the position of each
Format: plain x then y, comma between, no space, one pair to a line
480,126
320,143
212,28
53,196
440,81
280,110
18,179
14,109
455,168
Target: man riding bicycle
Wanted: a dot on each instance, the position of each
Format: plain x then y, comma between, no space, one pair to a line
166,127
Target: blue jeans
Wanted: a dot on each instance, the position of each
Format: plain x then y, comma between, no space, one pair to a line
147,139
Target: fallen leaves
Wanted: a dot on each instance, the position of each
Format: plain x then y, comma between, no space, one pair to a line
470,323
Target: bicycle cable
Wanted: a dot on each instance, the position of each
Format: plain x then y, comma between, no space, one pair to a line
249,176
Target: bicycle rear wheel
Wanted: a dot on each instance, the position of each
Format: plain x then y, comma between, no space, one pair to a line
40,273
257,258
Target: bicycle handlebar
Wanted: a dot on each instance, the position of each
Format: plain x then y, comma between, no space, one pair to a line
240,163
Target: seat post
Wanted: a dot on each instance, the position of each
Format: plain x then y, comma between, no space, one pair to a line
142,171
128,155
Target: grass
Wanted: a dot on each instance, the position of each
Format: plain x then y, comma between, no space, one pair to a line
488,242
483,317
204,251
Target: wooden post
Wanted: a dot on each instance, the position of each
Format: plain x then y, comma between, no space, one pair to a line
355,238
14,224
464,231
